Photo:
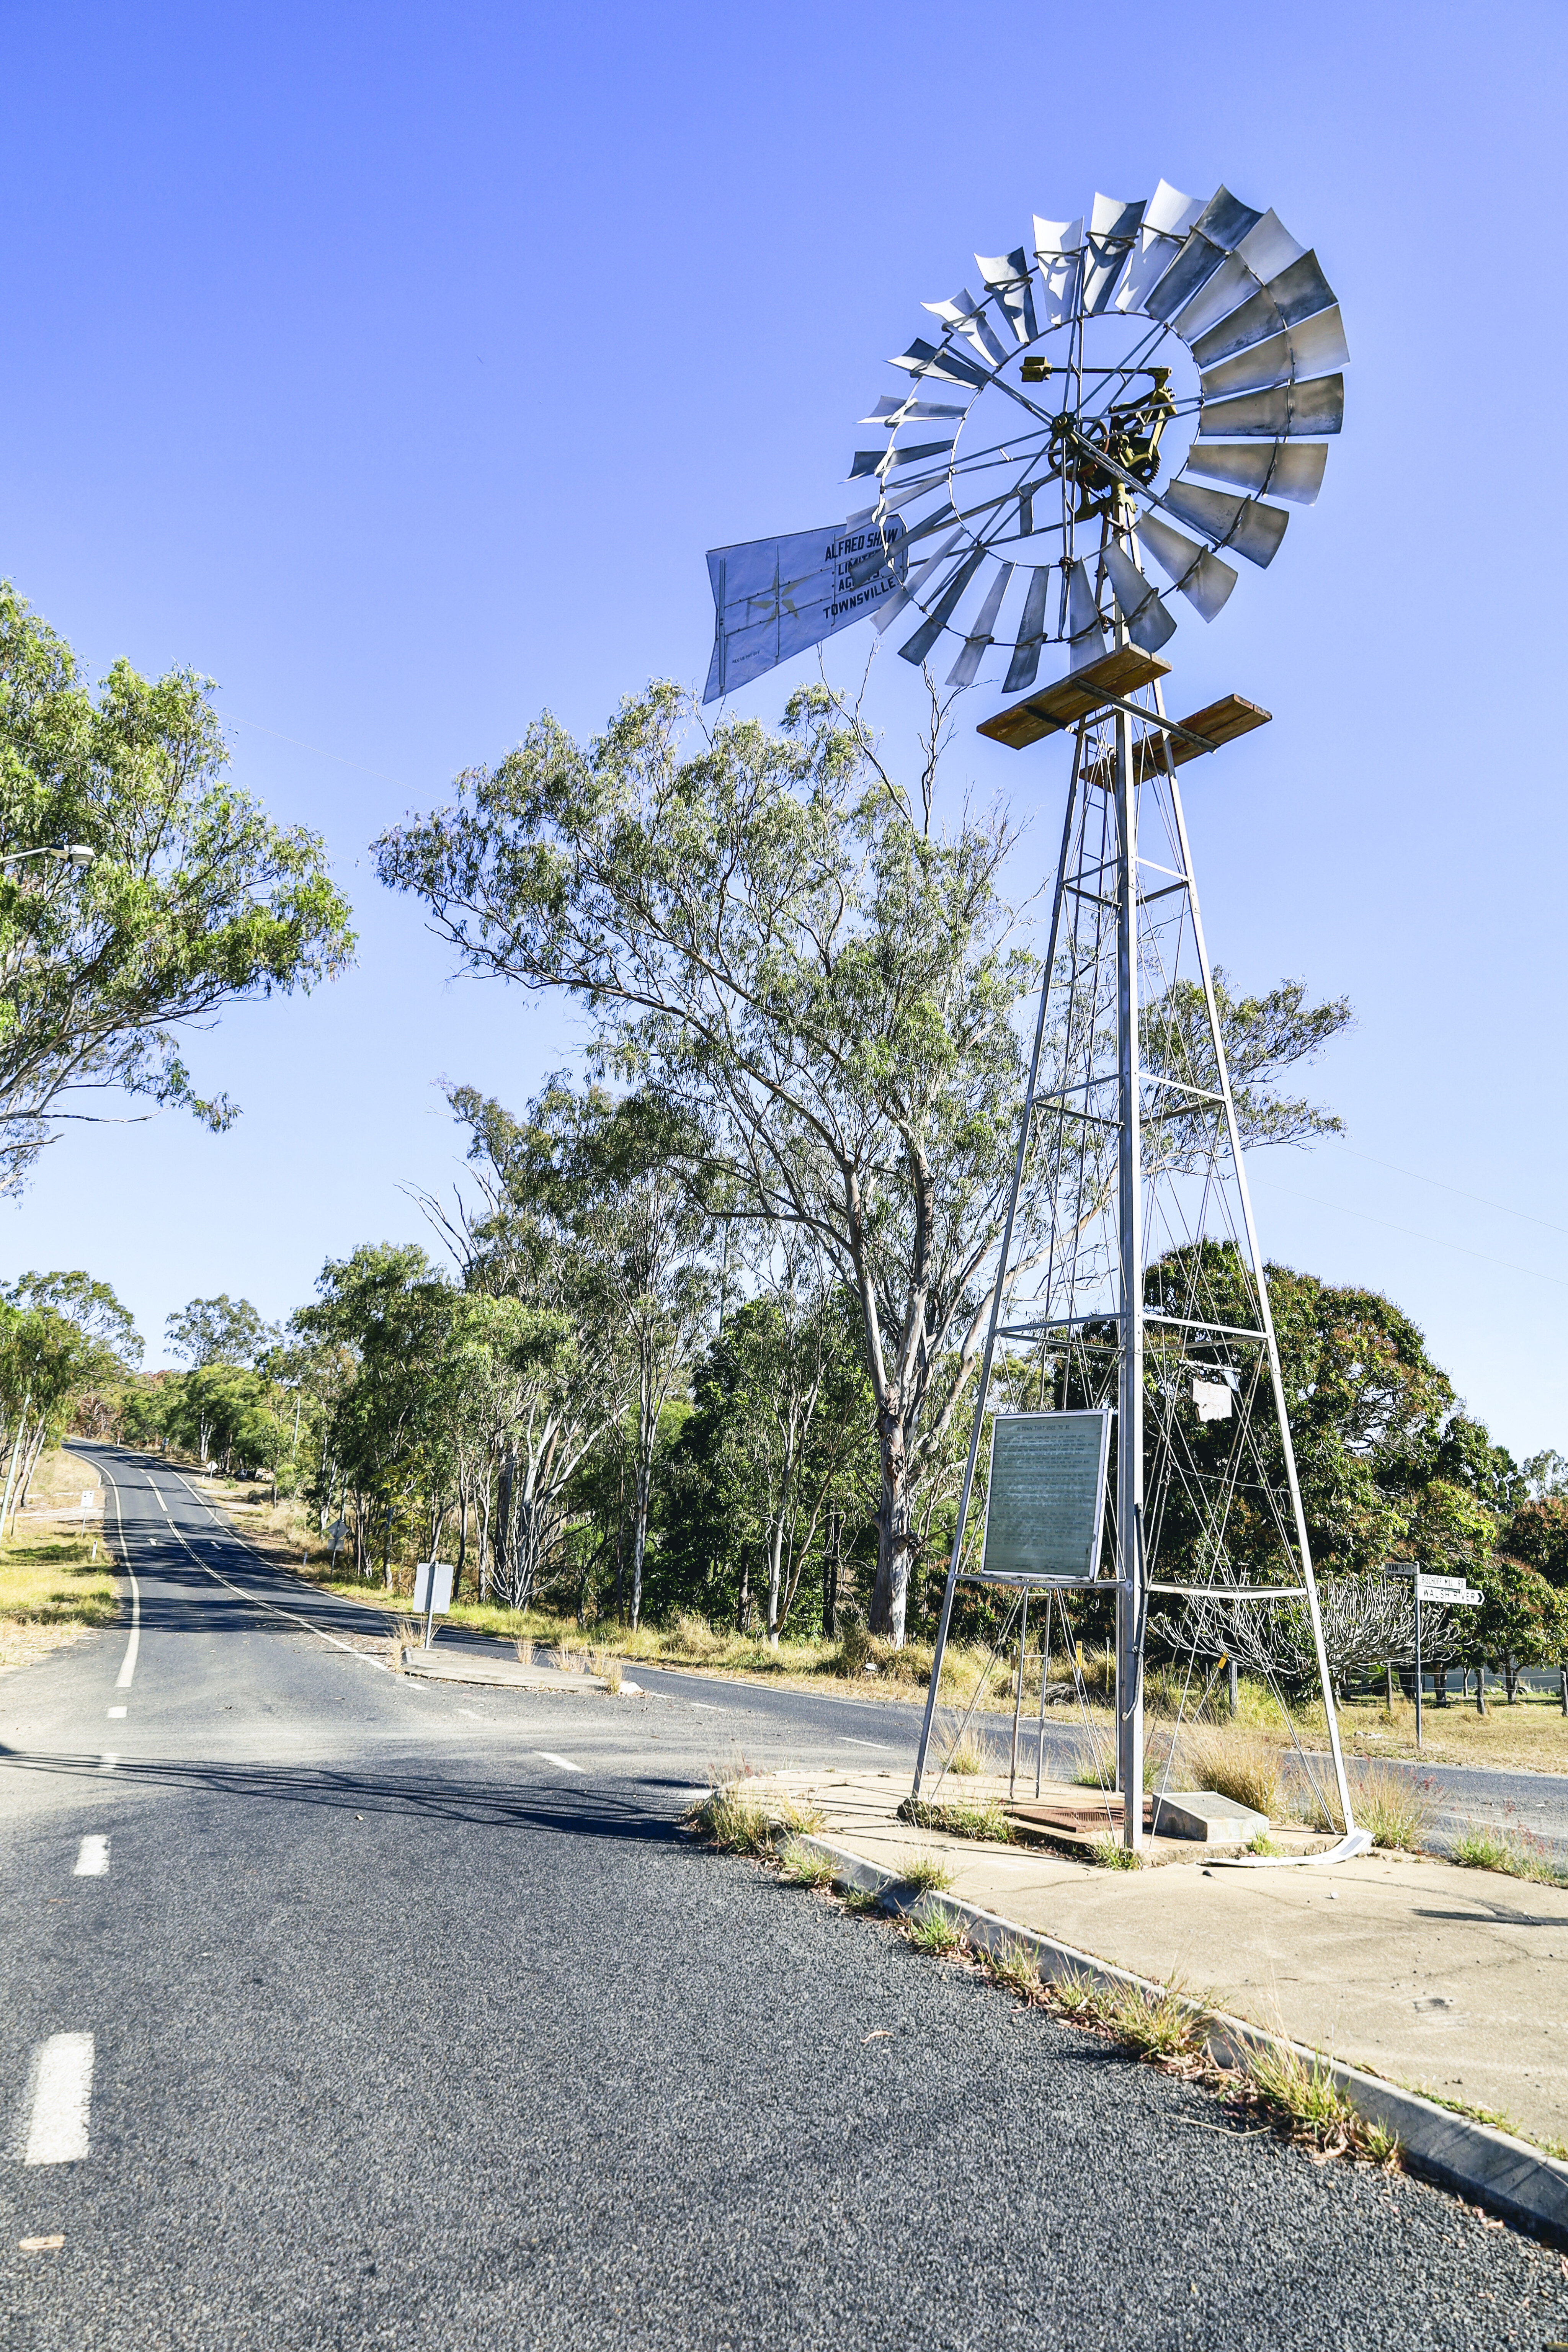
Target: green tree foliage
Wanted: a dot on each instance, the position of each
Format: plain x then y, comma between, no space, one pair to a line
62,1336
775,942
221,1330
777,1457
194,898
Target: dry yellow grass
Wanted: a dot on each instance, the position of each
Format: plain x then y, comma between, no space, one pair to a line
51,1594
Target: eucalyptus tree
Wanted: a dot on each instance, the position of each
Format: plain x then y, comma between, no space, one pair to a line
587,1217
392,1310
221,1330
61,1334
778,943
194,898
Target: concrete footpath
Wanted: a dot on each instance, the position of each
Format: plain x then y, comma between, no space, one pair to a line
1450,1981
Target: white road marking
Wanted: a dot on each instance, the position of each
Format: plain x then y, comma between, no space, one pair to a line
62,2100
116,1713
880,1745
128,1665
564,1761
706,1706
106,1763
92,1858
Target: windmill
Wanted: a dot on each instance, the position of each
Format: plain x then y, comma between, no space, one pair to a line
1140,388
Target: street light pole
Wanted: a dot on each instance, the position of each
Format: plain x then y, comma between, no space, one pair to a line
75,853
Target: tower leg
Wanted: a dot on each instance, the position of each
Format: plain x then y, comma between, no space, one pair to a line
1130,1385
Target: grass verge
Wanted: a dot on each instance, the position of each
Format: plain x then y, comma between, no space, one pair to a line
964,1817
745,1816
51,1592
1515,1853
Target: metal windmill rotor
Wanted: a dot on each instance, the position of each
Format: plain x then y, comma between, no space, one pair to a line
1068,424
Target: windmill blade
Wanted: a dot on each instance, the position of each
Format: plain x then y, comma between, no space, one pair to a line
1168,217
1085,630
1059,247
1269,248
1009,278
923,359
894,605
1300,291
1254,319
915,649
1224,220
1149,624
1230,284
1307,409
1024,668
1171,214
972,649
917,452
887,461
1309,349
907,492
895,412
938,519
1297,293
968,317
1195,572
1113,225
1252,530
1290,469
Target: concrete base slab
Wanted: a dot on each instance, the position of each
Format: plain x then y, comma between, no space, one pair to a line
1213,1821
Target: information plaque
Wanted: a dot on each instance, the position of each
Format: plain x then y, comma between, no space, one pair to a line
1046,1501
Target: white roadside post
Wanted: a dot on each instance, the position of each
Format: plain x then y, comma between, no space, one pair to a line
433,1592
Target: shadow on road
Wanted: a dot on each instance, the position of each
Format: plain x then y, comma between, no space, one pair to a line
417,1796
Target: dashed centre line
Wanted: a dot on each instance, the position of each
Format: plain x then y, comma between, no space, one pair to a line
62,2100
92,1858
880,1745
115,1713
564,1762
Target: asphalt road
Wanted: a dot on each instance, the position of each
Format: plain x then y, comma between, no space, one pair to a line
407,2018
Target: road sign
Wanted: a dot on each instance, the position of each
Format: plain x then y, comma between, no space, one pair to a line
1447,1592
433,1586
433,1592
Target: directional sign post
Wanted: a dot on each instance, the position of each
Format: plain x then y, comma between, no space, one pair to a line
1439,1592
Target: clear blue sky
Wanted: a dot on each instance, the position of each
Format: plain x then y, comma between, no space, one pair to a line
397,365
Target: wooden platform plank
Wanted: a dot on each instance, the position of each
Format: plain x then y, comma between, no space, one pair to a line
1221,722
1122,671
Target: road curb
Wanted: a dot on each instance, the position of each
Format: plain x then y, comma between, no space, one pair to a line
1509,2176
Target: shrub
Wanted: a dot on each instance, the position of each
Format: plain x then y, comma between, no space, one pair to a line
802,1867
928,1873
1513,1851
1396,1809
1236,1765
1112,1854
1014,1966
743,1817
962,1817
936,1933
